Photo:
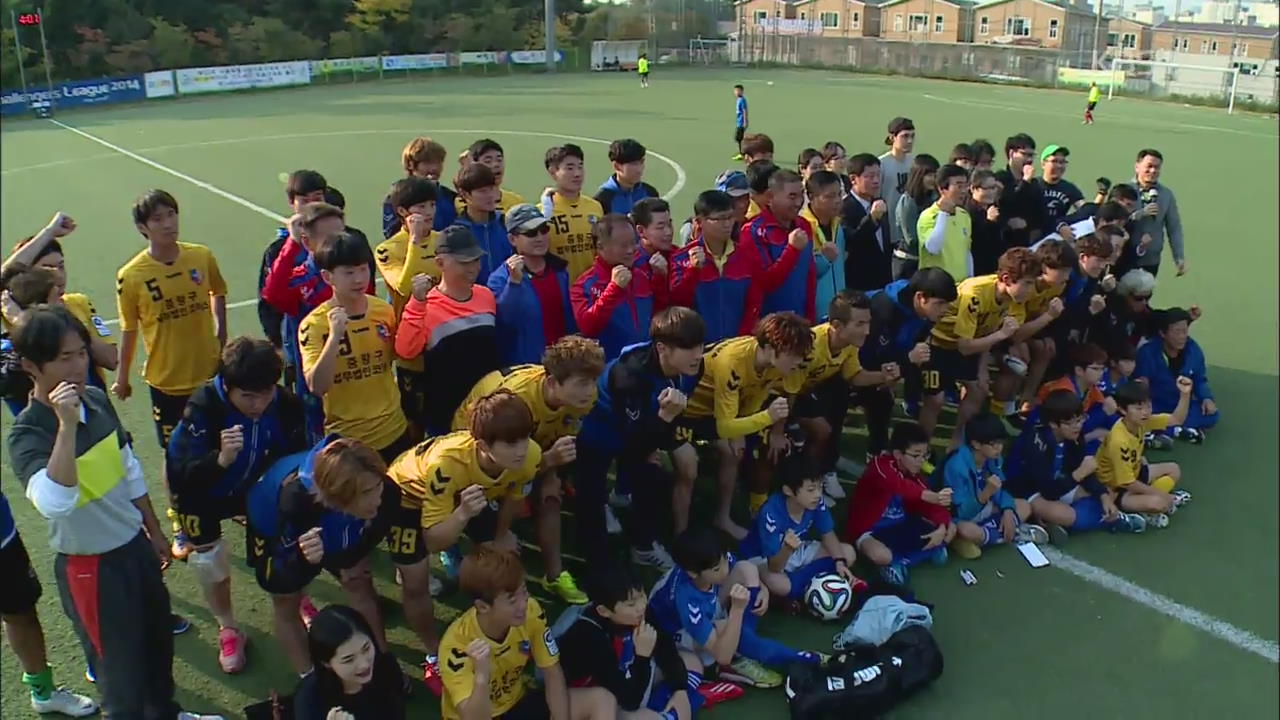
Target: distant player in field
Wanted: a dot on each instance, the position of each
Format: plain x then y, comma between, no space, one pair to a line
642,68
1095,94
739,119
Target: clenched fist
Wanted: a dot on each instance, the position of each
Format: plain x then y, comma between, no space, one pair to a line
471,501
919,354
798,239
311,546
422,284
658,264
779,409
671,402
231,442
337,321
878,209
515,266
621,276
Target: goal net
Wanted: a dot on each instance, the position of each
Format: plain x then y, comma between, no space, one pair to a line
708,52
616,54
1173,80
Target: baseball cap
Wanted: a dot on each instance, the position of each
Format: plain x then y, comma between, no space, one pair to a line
458,241
900,124
733,182
524,217
1051,150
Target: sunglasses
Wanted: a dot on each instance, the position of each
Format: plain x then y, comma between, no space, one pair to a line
535,232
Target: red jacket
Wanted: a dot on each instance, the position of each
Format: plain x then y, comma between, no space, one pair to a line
790,276
614,315
294,286
882,480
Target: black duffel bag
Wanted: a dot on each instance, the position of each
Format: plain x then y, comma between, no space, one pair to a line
867,681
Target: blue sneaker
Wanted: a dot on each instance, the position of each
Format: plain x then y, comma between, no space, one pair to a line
180,624
1129,523
895,573
89,674
451,561
939,555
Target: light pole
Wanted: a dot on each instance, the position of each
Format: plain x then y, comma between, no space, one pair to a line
549,30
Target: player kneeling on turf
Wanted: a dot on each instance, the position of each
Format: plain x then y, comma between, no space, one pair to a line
776,542
711,603
233,428
1121,465
894,518
485,652
611,646
1050,466
985,512
327,509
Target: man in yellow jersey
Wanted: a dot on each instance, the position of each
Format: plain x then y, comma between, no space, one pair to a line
1142,487
986,313
832,371
472,481
571,214
559,393
1095,95
485,652
173,292
347,345
1034,345
408,254
728,406
489,153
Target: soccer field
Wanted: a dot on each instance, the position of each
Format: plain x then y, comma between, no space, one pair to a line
1179,623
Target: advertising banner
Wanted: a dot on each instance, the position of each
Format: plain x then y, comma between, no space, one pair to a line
532,57
77,93
1078,77
243,77
415,62
368,64
479,58
160,84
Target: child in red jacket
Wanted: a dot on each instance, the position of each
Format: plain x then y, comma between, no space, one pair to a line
895,520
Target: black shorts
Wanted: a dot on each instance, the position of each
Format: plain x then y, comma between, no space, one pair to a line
201,516
21,586
166,411
406,541
533,706
1092,105
413,400
1144,477
271,578
945,368
738,134
829,401
690,430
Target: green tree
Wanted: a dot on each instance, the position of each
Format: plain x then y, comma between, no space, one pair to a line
375,15
172,46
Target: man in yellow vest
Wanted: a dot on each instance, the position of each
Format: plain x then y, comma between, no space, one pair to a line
642,67
1095,94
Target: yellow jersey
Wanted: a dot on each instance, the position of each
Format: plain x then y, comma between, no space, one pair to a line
527,381
170,303
571,222
507,660
733,392
820,364
364,402
1038,301
436,470
506,202
80,306
1120,457
397,267
977,312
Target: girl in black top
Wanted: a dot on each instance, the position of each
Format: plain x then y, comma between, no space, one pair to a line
350,680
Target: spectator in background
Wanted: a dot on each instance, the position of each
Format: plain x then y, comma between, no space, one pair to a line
301,187
810,162
490,154
1159,215
944,227
834,159
478,188
1021,208
895,167
424,158
865,218
983,154
962,156
626,186
987,241
920,192
610,301
532,291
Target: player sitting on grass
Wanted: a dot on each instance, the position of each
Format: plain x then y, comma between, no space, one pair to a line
471,482
711,602
1171,354
610,645
234,427
776,543
895,520
1052,468
558,393
327,508
986,514
486,650
1088,363
1121,465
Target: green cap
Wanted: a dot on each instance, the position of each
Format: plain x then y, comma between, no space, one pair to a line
1051,150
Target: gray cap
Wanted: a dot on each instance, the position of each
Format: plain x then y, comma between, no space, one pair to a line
524,217
459,242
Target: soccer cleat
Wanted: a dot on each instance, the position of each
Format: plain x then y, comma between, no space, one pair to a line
1057,534
1158,441
1031,533
816,657
1190,435
966,549
231,646
566,588
90,675
179,623
739,157
66,702
611,524
431,675
184,715
714,693
620,500
745,671
1158,521
895,573
1180,498
1129,523
307,610
831,486
655,556
181,546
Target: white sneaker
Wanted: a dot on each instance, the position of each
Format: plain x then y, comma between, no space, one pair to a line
655,556
619,501
184,715
611,523
831,486
66,702
436,586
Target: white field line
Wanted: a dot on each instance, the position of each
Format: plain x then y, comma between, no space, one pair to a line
1221,629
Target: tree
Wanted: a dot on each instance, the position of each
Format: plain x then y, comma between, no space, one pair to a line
172,46
379,15
130,58
88,56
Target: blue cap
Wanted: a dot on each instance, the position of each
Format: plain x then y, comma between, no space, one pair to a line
733,182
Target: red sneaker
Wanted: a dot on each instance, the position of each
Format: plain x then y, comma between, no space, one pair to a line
431,675
714,693
231,645
307,610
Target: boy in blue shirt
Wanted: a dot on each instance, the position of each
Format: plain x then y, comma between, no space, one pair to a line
711,602
740,118
776,544
986,514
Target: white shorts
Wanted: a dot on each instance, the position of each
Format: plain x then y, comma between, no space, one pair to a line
1068,499
805,554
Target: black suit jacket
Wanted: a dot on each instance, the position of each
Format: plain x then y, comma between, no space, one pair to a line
868,264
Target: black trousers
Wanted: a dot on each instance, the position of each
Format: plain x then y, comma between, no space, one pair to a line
650,491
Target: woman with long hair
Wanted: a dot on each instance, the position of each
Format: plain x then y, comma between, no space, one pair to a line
810,162
920,192
351,680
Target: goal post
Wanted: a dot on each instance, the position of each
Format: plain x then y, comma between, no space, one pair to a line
708,52
1159,79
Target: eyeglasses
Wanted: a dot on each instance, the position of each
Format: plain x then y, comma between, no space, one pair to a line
989,187
541,229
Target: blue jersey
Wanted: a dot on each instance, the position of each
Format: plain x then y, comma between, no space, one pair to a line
764,539
740,112
676,605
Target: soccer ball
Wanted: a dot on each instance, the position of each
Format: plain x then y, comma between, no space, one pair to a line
828,596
